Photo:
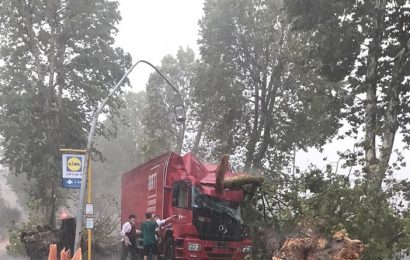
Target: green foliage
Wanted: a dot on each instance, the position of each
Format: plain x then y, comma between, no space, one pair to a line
330,202
160,130
58,62
107,224
15,246
261,99
365,46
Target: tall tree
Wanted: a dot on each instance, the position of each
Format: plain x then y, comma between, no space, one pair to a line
161,130
261,95
57,63
366,44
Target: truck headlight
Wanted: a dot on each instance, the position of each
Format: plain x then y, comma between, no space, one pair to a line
247,249
194,246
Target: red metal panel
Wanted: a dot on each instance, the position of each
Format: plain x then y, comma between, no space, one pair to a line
134,194
175,170
194,167
156,190
134,188
183,223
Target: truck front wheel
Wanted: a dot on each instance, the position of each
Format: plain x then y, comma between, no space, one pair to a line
169,249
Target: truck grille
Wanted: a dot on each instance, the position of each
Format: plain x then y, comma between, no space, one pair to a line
220,256
218,227
210,249
222,244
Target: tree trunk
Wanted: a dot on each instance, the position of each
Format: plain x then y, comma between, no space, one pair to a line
198,137
271,92
391,117
53,207
181,139
372,163
339,247
273,87
253,135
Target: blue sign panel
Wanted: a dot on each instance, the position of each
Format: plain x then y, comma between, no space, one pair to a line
73,166
73,183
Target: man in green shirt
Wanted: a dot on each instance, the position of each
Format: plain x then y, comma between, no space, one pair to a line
149,228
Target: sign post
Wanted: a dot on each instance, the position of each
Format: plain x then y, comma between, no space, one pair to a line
73,168
89,210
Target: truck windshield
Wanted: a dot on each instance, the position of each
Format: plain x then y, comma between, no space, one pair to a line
200,200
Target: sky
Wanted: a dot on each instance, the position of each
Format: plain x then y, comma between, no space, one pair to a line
152,29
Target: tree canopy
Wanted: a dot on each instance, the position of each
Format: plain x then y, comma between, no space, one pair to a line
365,45
57,62
263,95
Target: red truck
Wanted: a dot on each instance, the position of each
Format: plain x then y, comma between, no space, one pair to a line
208,223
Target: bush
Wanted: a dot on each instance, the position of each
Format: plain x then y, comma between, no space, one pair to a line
107,225
16,247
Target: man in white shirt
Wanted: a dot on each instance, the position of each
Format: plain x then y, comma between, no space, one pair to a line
129,238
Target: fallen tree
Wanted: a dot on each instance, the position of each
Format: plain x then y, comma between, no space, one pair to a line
306,241
314,247
238,182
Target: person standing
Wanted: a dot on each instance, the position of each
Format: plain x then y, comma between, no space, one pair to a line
161,223
129,239
149,229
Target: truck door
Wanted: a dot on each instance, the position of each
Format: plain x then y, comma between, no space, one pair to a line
181,201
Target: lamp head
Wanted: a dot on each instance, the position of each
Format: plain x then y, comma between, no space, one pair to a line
179,109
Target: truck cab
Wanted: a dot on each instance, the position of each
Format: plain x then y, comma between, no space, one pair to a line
208,223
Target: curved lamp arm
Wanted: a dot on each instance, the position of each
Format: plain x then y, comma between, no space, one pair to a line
79,220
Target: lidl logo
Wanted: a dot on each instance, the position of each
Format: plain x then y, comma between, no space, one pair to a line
73,167
74,164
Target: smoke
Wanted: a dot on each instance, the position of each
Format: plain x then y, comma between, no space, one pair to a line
3,252
7,193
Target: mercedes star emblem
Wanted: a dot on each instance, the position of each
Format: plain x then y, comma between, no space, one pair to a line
222,229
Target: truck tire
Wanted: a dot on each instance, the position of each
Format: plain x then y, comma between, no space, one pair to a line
169,249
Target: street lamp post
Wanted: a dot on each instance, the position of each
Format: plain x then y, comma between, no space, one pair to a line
180,117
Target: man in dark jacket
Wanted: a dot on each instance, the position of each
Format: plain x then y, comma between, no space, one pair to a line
129,239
